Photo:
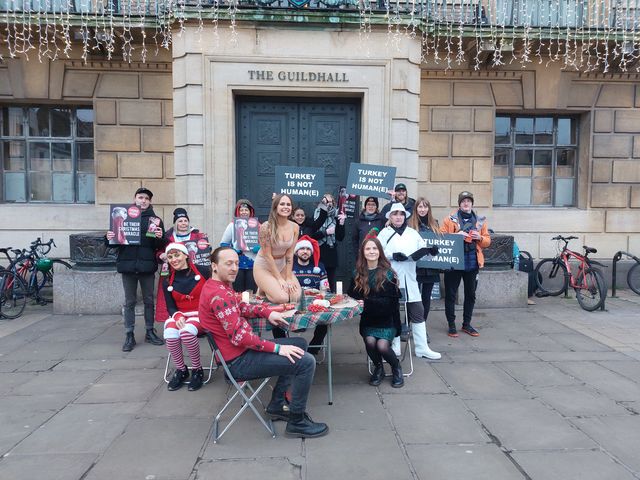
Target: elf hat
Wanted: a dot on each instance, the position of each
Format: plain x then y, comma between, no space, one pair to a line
311,243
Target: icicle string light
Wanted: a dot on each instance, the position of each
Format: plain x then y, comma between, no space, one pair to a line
586,36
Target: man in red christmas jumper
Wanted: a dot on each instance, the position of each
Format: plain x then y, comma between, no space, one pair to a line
250,356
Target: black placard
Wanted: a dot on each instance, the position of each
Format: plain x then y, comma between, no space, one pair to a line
199,251
450,255
370,180
124,221
347,202
300,183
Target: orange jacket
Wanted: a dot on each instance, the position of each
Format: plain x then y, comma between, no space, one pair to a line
450,225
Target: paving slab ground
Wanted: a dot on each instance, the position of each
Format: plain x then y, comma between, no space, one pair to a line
547,392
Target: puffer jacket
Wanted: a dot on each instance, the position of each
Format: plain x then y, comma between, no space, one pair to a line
452,225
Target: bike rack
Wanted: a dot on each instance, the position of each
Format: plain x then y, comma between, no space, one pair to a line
614,271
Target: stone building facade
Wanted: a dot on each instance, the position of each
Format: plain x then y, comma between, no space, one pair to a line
171,123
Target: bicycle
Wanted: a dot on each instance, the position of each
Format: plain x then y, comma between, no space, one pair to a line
13,295
633,275
588,281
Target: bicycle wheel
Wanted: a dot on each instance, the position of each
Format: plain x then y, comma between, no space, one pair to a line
591,293
45,280
551,276
633,278
13,295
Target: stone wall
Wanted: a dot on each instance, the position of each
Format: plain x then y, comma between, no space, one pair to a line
133,138
457,112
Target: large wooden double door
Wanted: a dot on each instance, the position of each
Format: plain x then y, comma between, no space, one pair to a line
296,132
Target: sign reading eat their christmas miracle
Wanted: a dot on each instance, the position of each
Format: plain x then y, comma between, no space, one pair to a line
245,233
300,183
370,180
199,251
124,221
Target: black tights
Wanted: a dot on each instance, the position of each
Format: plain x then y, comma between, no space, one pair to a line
379,349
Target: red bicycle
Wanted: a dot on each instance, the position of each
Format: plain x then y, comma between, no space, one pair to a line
555,275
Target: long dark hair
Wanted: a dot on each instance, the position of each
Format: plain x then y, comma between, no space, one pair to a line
362,268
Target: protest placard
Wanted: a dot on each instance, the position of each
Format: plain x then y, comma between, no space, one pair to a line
154,226
347,202
450,252
199,251
300,183
245,233
124,221
370,180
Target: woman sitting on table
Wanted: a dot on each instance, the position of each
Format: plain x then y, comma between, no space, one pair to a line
377,284
273,266
181,291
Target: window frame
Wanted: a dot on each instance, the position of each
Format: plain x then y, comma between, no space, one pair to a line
74,140
513,147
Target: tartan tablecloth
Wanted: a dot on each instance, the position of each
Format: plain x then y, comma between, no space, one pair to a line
306,320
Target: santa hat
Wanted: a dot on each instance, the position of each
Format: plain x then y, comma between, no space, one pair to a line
181,248
312,244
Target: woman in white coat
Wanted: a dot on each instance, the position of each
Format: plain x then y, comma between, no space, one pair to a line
404,246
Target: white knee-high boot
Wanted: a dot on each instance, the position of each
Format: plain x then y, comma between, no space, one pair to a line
420,342
395,346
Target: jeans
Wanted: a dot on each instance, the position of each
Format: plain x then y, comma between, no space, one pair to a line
415,310
130,284
451,283
254,364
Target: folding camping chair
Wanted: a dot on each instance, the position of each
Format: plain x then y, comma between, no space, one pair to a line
243,388
405,337
210,368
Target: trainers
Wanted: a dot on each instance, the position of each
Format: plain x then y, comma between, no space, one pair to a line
468,329
179,376
196,380
452,331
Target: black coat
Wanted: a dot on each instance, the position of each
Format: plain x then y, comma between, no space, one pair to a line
363,226
381,307
140,258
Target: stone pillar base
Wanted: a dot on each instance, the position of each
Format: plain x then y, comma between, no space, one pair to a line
500,289
88,292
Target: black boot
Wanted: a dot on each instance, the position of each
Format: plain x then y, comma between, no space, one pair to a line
397,379
277,411
129,342
300,425
196,379
152,338
179,376
377,375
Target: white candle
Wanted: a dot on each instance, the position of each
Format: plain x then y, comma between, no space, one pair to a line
246,296
338,288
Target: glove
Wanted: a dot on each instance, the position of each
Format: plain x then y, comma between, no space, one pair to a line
255,249
433,250
399,257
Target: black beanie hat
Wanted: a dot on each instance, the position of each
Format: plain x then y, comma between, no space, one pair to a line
179,213
372,199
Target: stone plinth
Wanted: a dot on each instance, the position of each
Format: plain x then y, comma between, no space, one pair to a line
87,292
499,289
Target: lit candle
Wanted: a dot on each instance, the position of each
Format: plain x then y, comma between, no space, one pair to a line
338,288
246,296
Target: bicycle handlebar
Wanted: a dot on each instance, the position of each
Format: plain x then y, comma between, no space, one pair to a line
565,239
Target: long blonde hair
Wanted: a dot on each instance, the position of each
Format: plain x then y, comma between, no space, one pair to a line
273,216
414,220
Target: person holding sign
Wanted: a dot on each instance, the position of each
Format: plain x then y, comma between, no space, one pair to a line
399,195
234,238
475,231
403,245
137,264
369,218
424,221
328,234
182,232
376,284
181,292
273,266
